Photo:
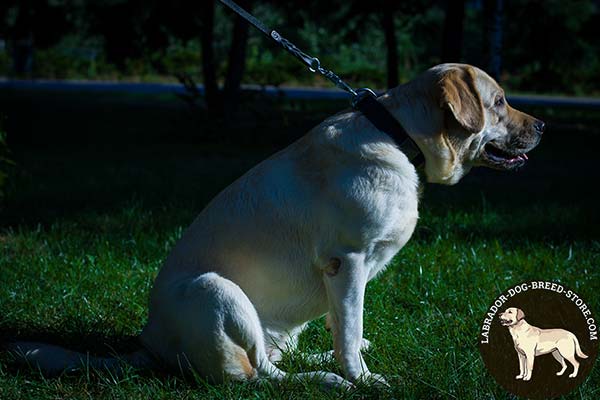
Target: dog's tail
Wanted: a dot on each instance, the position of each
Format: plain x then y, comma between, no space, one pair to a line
53,360
580,353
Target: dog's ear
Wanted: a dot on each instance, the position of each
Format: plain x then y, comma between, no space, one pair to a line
460,96
520,314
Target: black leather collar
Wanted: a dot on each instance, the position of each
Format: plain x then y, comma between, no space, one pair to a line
383,120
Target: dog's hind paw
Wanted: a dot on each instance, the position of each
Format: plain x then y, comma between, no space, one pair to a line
330,381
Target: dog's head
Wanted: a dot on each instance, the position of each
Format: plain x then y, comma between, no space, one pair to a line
511,316
459,117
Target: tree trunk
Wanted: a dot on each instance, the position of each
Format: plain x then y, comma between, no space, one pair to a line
236,62
22,37
493,20
453,31
391,44
211,89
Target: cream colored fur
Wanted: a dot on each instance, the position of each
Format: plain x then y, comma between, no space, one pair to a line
531,341
302,233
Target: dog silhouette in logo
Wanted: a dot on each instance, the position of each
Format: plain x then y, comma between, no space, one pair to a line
531,341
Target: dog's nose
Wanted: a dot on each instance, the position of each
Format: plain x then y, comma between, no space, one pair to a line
539,126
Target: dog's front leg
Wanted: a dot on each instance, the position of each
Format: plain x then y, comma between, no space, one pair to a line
345,288
529,361
522,365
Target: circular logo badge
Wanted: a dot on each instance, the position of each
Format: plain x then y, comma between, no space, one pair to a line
539,339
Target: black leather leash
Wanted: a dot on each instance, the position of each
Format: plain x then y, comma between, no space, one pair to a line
364,99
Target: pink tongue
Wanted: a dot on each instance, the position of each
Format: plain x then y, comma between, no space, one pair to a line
519,157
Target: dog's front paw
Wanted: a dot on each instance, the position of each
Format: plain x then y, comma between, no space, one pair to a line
527,377
519,377
372,379
365,344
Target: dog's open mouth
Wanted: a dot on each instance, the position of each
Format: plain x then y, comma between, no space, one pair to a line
504,322
495,157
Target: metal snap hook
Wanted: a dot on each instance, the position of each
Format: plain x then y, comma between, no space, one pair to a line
315,65
276,36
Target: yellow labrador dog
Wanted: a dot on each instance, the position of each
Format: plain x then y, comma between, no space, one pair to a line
302,233
531,341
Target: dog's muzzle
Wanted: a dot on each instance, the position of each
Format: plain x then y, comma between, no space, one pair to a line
511,153
496,156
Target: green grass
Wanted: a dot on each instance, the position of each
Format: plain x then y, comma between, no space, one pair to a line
86,228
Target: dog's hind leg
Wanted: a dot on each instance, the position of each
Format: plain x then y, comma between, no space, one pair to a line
204,324
566,347
575,363
208,324
556,354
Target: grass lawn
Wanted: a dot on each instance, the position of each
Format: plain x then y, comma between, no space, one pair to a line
88,223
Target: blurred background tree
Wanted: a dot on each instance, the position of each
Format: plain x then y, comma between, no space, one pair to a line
378,43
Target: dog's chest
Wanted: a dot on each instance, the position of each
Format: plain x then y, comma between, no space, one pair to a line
375,210
390,234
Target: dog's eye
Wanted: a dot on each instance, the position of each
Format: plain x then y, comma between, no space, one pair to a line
499,101
510,312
